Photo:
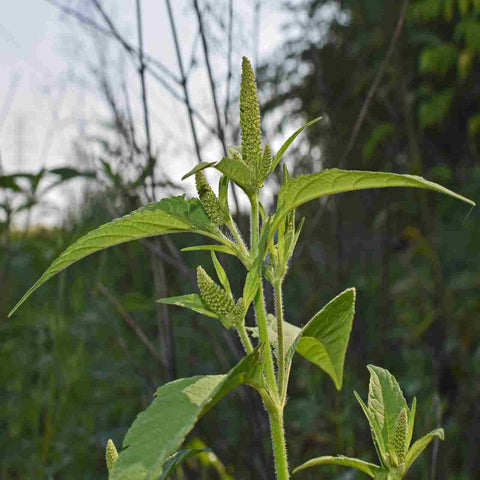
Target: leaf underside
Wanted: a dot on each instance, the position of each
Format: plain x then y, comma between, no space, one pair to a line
375,430
369,468
238,172
159,431
170,215
198,168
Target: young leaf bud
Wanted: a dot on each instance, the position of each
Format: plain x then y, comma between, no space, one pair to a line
250,116
111,454
237,156
209,200
265,165
399,442
234,152
217,299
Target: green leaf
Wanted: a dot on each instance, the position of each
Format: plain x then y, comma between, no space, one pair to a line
254,277
289,141
263,212
385,401
419,446
162,427
178,458
66,173
380,135
221,274
216,248
435,109
252,283
369,468
470,30
375,430
223,192
305,188
411,420
193,301
238,172
384,475
8,181
323,340
438,59
197,168
170,215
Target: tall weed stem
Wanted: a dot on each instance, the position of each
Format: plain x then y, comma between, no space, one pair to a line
275,415
282,383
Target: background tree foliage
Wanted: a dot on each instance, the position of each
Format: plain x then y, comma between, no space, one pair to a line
75,363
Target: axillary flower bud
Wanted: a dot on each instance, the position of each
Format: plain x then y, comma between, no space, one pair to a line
111,454
240,312
265,165
217,299
250,117
399,442
209,200
237,156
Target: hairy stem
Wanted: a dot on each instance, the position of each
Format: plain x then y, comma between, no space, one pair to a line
237,235
244,338
277,287
254,225
275,415
263,334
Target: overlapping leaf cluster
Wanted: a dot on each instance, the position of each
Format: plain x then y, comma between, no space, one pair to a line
391,424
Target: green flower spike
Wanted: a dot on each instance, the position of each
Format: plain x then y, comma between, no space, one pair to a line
111,454
265,165
209,200
250,117
400,441
217,299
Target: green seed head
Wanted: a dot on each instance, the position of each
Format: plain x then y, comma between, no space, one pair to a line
111,454
399,442
265,165
250,117
209,200
240,312
217,299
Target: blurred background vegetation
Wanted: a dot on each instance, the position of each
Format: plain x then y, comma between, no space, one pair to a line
399,84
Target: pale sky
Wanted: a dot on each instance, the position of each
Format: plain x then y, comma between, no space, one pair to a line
46,93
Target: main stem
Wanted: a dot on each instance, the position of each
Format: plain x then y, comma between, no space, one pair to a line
275,415
260,303
277,287
263,334
275,403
